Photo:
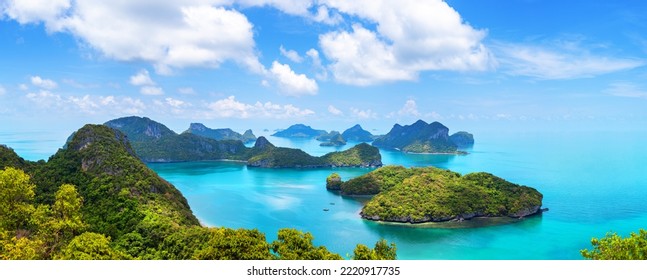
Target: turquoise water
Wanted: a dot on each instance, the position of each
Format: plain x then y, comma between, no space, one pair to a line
592,182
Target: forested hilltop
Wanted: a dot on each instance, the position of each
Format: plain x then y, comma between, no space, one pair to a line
94,199
154,142
429,194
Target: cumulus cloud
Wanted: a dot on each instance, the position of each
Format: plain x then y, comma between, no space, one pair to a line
320,71
168,34
335,111
142,78
43,83
232,108
363,114
558,61
411,36
410,108
292,83
291,55
47,11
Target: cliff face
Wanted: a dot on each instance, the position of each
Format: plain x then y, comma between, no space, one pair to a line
462,139
220,133
154,142
419,137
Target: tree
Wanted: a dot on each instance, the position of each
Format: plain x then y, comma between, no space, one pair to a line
66,210
614,247
16,197
382,251
89,246
293,244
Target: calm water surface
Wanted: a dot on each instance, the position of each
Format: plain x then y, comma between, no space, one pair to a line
592,183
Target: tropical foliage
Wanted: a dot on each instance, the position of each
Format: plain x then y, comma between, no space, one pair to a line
432,194
95,200
614,247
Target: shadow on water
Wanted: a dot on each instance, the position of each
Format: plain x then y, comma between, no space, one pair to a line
436,232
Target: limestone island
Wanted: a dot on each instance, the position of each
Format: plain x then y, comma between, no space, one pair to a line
154,142
428,194
422,137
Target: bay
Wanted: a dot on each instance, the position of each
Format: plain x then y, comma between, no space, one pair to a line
593,182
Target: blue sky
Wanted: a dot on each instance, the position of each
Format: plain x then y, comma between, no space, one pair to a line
508,65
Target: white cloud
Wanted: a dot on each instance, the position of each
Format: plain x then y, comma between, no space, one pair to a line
186,91
363,114
335,111
410,108
291,83
142,78
291,55
293,7
326,16
558,61
150,90
45,99
168,34
321,72
43,83
231,108
23,87
87,104
2,90
411,36
176,103
35,10
625,89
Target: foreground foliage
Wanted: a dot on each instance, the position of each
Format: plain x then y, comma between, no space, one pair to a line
614,247
95,199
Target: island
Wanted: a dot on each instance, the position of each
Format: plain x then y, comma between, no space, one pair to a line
220,133
269,156
357,134
96,200
332,139
299,131
429,194
419,137
154,142
462,139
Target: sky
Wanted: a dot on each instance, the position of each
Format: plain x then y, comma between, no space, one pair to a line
267,64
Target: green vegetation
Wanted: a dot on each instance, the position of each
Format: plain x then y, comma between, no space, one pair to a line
334,139
382,251
358,134
276,157
220,134
462,139
156,143
95,199
614,247
419,137
430,194
333,182
300,131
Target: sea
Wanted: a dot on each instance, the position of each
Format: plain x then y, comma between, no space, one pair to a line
593,183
